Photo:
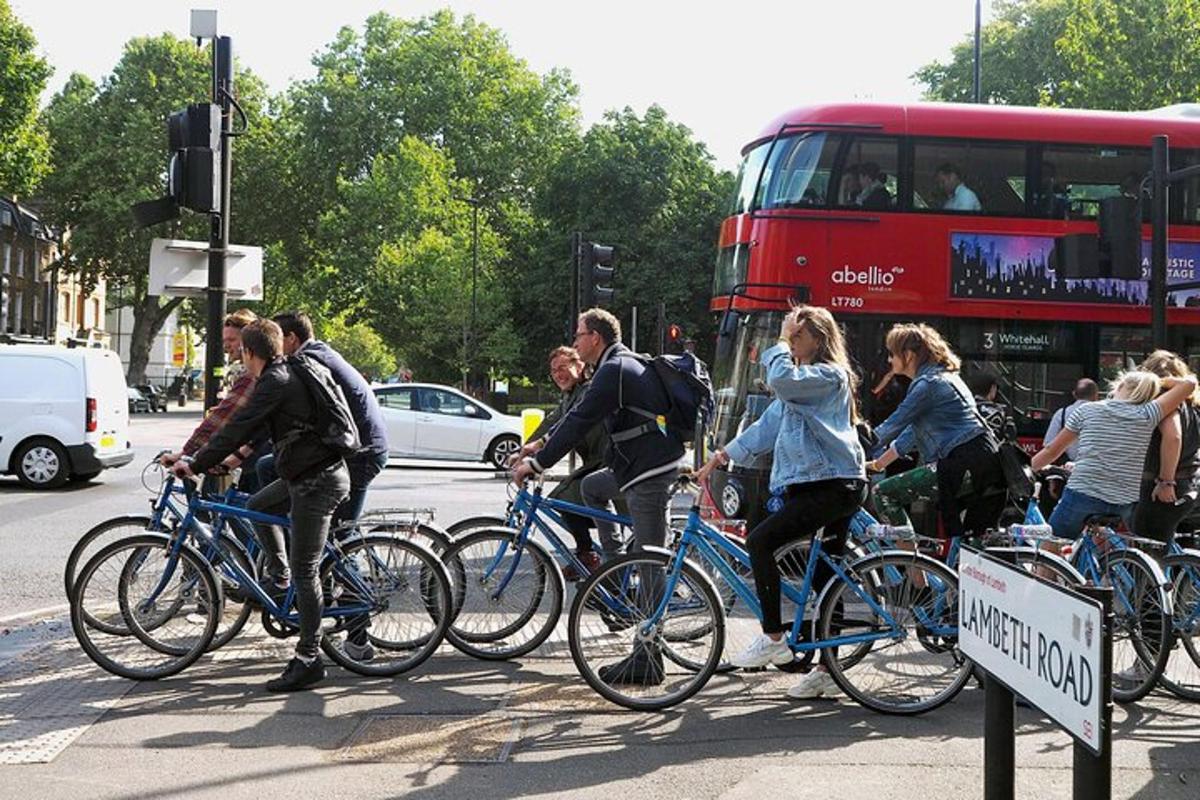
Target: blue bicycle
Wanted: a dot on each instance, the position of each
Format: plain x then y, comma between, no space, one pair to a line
389,596
886,623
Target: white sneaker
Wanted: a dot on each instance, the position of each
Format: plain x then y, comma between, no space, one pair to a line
761,651
359,652
817,683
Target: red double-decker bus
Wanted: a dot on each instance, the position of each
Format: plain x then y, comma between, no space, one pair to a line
963,216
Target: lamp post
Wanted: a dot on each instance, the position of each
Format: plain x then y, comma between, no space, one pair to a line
473,202
978,69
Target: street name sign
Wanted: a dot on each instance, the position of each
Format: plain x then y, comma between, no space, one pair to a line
1043,641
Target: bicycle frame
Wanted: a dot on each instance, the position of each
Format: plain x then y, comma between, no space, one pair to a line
701,538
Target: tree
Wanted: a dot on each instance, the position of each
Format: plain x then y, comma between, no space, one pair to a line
24,148
361,346
109,151
1106,54
646,186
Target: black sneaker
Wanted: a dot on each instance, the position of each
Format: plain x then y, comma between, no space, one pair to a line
643,667
298,675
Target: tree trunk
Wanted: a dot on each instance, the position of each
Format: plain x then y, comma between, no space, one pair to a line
149,316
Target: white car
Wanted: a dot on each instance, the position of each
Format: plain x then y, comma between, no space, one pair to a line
439,422
63,414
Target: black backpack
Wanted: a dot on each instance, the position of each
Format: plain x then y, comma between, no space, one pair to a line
689,389
332,421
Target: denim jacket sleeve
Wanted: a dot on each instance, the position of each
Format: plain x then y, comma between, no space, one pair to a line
759,437
798,384
898,426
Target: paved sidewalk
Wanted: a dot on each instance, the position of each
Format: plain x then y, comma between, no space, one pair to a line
460,728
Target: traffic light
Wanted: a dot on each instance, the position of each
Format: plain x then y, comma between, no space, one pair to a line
595,275
194,170
674,333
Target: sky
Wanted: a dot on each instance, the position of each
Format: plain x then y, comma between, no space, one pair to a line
723,70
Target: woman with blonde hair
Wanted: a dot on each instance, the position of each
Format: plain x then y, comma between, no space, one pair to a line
1168,490
938,419
818,467
1113,436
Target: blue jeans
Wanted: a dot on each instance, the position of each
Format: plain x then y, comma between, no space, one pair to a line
1074,508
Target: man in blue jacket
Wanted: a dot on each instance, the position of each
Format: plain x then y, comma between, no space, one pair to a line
364,407
645,465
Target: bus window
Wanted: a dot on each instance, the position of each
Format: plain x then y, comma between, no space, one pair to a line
1075,178
978,177
868,177
747,178
797,175
1185,195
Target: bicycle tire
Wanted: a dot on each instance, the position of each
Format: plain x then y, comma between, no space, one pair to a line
476,630
92,542
476,523
236,611
1045,564
406,584
1142,618
114,652
930,603
615,589
1181,673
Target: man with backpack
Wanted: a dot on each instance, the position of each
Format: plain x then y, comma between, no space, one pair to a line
627,394
301,406
365,465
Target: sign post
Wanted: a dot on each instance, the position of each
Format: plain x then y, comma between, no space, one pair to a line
1051,645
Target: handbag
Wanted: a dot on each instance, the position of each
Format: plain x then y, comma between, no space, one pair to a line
1017,472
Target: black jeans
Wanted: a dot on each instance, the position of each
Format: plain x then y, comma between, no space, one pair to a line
1155,520
983,506
312,500
364,468
808,507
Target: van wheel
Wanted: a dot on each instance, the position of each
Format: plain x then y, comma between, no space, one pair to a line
501,450
41,464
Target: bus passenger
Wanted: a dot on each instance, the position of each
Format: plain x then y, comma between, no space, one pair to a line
818,467
958,196
1168,490
939,418
872,191
1113,435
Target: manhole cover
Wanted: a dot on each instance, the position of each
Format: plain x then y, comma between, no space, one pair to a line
434,738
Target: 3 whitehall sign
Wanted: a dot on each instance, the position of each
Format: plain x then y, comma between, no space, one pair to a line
1041,640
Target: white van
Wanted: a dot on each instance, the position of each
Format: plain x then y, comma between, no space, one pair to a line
63,413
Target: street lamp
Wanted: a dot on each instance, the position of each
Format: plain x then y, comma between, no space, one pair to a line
473,202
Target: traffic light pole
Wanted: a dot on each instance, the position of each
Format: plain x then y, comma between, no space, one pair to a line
1160,180
218,239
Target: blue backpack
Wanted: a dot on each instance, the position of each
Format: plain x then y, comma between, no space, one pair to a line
689,390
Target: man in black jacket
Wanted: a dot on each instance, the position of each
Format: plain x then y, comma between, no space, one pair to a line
366,465
312,481
645,466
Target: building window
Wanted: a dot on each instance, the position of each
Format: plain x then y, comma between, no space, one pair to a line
7,259
96,312
64,313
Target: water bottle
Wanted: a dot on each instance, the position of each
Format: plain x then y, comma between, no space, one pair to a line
1030,533
889,533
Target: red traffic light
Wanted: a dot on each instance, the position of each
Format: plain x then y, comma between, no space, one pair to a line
674,333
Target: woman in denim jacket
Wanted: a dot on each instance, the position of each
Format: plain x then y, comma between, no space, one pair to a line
938,419
818,466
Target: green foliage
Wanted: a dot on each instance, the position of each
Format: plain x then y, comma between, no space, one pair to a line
360,345
24,147
1110,54
648,187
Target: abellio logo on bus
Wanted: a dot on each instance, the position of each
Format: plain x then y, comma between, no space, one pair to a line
873,278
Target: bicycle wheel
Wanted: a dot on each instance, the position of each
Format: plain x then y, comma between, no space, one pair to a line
635,661
475,524
508,598
1142,617
1044,564
403,591
235,611
169,602
1181,674
94,541
913,664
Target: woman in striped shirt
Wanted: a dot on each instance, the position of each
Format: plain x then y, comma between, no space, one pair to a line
1113,435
